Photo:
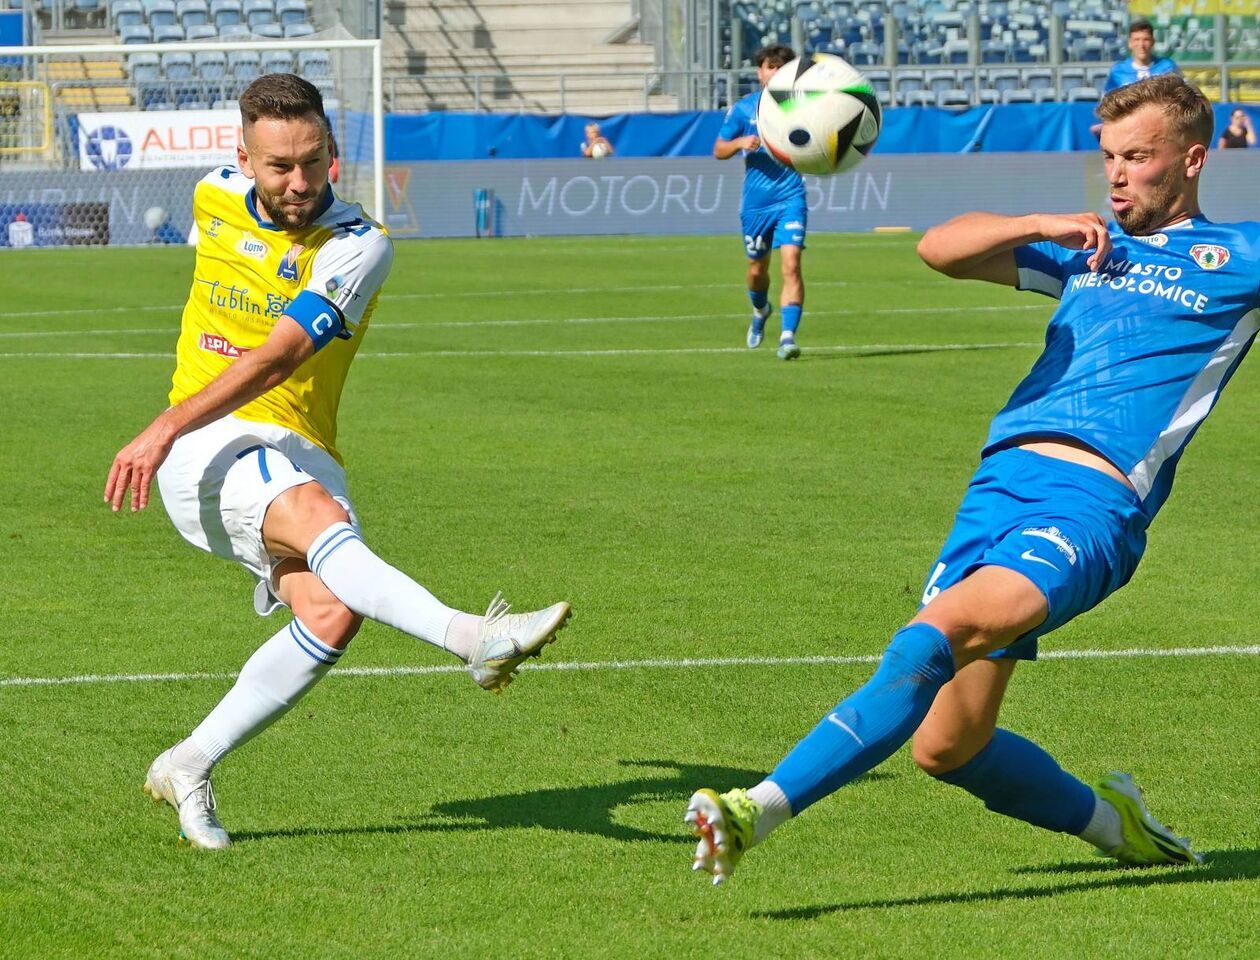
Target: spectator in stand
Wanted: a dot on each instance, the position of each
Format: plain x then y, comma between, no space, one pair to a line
1143,63
596,145
1239,133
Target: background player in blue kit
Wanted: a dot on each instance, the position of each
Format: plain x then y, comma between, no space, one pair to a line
772,210
1157,310
1142,64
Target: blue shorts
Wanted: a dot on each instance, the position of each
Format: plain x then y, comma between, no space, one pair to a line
1072,530
769,228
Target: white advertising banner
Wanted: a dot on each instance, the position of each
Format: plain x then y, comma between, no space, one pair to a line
158,139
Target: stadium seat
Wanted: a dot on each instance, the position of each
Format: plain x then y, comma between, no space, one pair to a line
957,51
143,67
204,32
1089,50
1017,96
1045,95
271,31
258,12
1035,80
139,33
1082,94
879,79
235,31
953,99
127,13
192,13
299,29
210,65
244,65
225,105
987,95
290,11
177,66
277,61
995,51
919,98
86,13
314,64
940,81
170,34
193,105
865,54
225,13
1003,80
161,13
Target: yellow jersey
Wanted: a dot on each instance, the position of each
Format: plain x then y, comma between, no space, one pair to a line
247,274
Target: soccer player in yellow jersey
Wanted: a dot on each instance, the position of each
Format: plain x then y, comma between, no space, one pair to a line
286,279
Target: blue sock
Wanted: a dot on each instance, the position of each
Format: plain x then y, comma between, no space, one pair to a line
791,318
871,723
758,298
1016,778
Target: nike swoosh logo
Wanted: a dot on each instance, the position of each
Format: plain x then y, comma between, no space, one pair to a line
1029,555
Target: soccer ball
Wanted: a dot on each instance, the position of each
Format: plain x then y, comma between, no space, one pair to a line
154,217
599,151
818,115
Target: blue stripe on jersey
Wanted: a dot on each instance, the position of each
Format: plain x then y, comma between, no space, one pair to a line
1137,353
766,181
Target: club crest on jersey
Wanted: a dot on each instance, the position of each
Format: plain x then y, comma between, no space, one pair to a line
1209,256
251,246
288,269
1154,239
213,229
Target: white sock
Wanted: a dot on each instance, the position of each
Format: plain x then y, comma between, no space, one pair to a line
775,808
1103,829
372,588
272,680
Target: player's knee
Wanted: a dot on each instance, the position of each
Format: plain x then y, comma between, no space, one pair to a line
324,615
937,753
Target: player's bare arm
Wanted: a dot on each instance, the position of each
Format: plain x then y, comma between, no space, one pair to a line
256,372
725,149
980,246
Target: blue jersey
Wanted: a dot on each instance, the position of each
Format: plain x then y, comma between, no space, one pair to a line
767,182
1126,72
1137,354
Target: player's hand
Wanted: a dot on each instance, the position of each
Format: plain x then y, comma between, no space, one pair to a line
751,142
136,465
1078,231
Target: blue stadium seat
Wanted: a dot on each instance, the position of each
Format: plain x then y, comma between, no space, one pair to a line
192,13
244,65
258,12
1083,94
953,99
1035,80
277,61
290,11
865,54
210,65
225,105
1003,80
987,96
272,31
143,67
314,64
919,98
172,33
957,51
127,13
204,32
177,66
235,31
192,105
1017,96
1089,50
225,13
995,51
161,13
86,13
940,81
139,33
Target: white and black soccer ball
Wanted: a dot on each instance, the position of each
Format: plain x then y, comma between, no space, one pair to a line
818,115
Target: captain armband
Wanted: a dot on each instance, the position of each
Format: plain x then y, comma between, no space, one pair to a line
321,320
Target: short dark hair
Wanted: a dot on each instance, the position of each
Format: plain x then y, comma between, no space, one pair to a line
1141,25
775,54
1187,109
281,96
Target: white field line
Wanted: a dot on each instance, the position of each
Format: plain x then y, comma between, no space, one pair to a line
855,348
1131,653
478,295
550,321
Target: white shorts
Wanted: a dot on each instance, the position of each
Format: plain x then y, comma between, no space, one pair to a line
219,481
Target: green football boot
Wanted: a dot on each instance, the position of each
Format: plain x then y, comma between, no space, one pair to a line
725,825
1146,841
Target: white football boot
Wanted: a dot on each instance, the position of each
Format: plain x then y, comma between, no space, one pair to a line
193,800
506,639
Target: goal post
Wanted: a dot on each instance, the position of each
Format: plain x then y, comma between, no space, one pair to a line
102,144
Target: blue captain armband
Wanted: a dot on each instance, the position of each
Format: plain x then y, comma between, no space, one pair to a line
322,321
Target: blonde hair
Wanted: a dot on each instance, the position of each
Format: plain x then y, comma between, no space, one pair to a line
1185,106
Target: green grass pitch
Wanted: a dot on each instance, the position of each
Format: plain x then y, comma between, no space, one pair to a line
579,419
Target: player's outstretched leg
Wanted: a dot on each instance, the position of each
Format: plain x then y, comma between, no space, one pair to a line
1144,841
505,640
193,799
757,325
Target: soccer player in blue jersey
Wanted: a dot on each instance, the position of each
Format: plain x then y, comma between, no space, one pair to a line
1142,64
1156,312
772,211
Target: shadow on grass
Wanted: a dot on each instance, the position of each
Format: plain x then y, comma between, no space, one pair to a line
909,350
586,809
1218,865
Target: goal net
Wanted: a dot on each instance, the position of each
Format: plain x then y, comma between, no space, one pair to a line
102,144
